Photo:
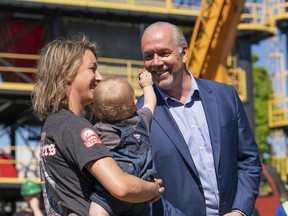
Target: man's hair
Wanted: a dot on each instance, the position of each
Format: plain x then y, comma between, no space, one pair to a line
58,64
114,100
178,34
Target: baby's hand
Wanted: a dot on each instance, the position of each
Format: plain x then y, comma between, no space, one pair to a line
144,78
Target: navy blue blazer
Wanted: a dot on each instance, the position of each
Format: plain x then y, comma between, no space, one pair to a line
235,152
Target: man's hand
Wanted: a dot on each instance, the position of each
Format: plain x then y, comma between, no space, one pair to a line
234,213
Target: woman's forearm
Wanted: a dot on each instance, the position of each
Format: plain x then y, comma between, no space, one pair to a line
123,186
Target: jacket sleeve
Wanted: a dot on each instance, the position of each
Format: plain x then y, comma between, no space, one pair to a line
249,165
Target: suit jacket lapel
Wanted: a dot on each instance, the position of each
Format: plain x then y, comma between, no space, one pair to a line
210,107
165,120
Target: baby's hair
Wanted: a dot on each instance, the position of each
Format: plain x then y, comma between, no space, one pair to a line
114,100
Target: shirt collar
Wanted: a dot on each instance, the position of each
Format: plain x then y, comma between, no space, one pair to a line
166,97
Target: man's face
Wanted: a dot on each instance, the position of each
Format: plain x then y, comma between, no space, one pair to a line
163,57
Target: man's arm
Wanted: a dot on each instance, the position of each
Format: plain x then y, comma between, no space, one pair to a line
34,203
249,165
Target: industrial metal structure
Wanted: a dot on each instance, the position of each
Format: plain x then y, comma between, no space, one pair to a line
220,49
278,105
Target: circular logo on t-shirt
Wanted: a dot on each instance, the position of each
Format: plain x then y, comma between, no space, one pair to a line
90,137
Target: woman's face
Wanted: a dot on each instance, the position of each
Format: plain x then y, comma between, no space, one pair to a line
87,77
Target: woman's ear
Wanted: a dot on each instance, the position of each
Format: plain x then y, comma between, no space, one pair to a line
68,81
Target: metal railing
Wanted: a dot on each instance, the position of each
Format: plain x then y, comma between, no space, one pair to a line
107,67
148,6
20,86
238,80
281,165
278,112
257,16
26,163
127,69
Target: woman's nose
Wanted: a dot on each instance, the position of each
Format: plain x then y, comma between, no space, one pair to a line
98,76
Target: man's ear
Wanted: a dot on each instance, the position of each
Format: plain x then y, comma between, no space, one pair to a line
185,53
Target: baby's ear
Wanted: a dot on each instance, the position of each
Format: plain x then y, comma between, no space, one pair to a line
135,102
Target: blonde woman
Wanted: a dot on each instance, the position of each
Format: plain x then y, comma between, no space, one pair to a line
72,155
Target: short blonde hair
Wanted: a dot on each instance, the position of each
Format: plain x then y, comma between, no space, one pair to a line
59,61
114,100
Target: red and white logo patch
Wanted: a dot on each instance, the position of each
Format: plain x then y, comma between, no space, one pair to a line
90,137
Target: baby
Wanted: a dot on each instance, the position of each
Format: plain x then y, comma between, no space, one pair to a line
125,130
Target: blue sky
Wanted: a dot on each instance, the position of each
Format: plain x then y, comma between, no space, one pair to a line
263,49
259,50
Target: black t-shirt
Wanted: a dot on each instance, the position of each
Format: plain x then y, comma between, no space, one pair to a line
68,143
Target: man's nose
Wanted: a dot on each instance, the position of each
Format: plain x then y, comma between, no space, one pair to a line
156,60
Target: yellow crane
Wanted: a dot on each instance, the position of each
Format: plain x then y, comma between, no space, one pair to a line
213,37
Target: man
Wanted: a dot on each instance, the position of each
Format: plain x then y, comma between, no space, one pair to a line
203,147
31,193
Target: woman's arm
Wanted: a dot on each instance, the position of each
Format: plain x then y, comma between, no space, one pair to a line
121,185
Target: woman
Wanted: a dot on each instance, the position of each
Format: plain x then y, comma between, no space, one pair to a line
70,148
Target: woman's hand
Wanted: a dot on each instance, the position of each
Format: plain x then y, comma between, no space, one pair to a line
159,190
